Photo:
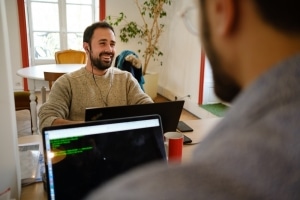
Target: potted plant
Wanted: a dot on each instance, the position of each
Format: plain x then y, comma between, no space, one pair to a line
147,32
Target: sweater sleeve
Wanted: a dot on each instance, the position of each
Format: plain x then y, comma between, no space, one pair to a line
58,103
135,93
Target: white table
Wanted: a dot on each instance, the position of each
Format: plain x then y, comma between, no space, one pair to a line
201,129
36,73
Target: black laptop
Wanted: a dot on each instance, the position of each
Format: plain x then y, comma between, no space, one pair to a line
81,157
169,112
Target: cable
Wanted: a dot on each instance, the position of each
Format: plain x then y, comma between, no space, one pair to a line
110,86
181,98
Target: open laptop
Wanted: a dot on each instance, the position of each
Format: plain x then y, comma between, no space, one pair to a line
169,112
88,154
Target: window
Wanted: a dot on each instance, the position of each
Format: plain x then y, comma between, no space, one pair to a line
56,25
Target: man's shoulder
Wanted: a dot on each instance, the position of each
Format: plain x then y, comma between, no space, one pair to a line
122,74
118,71
76,74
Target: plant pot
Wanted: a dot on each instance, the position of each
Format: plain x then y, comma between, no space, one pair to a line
151,84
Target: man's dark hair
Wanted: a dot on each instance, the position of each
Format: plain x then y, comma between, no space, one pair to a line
281,14
89,31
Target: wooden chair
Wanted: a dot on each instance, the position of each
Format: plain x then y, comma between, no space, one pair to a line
70,57
22,102
50,77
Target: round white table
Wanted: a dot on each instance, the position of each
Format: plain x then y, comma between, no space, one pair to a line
36,73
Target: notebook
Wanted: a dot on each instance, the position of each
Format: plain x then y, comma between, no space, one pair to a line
86,155
169,112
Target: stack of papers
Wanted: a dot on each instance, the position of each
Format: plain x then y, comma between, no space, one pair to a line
31,162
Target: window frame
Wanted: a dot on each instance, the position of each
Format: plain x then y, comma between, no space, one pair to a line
62,6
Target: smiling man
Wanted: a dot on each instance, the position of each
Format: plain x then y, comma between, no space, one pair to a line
253,153
95,85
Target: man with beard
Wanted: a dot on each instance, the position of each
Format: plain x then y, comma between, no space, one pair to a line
253,153
95,85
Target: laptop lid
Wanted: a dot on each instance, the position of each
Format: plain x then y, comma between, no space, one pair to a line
169,112
80,157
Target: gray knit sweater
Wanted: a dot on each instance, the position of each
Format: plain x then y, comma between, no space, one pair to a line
74,92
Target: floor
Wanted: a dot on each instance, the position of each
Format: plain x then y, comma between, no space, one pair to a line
24,123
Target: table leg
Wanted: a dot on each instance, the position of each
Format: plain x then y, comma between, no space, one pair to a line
33,106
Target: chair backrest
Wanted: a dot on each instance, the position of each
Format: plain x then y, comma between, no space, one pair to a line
22,101
70,57
51,77
128,61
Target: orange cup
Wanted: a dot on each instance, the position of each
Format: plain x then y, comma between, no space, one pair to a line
174,145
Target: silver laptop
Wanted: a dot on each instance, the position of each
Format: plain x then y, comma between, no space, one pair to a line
81,157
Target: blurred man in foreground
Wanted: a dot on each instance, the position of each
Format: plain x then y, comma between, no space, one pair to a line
253,153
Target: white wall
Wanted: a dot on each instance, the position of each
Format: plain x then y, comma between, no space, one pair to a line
113,8
9,158
210,96
15,42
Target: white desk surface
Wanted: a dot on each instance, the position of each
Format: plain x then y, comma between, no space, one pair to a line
201,129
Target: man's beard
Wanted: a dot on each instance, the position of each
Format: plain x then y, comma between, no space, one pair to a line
100,65
225,86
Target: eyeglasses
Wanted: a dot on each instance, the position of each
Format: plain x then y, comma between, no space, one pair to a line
190,18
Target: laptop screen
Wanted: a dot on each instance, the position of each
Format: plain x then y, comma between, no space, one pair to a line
169,112
80,157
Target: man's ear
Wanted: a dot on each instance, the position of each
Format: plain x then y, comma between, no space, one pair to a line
227,16
86,47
